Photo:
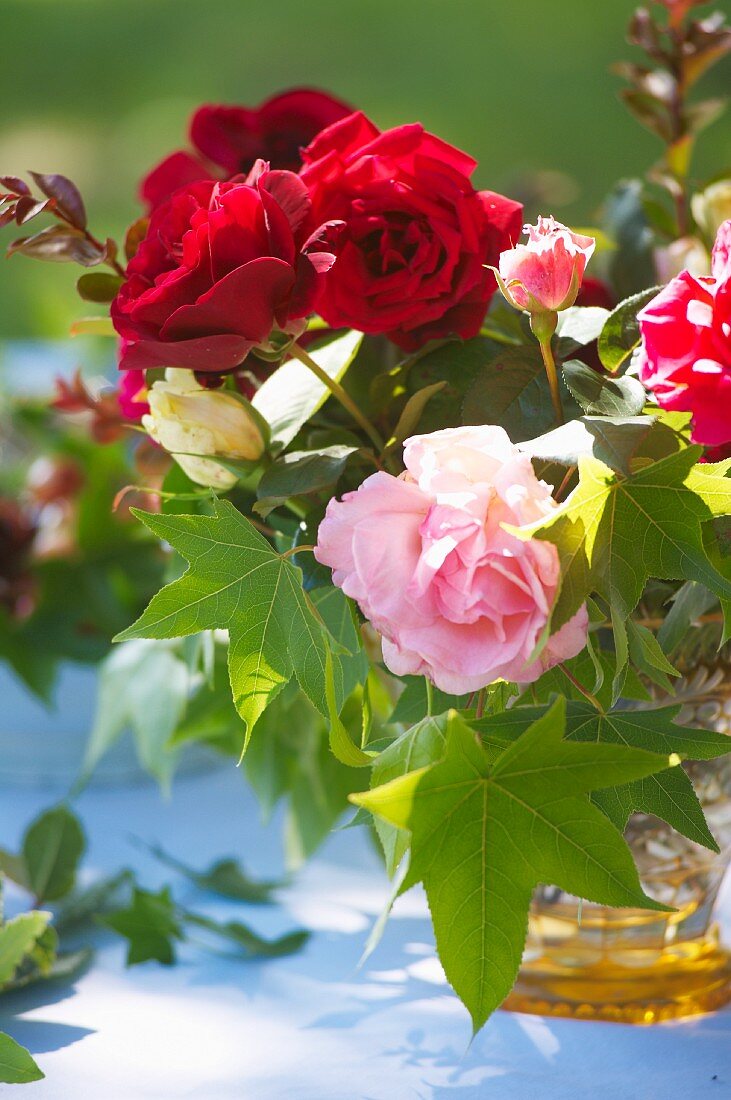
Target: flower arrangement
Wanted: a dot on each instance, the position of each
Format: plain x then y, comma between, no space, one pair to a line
426,472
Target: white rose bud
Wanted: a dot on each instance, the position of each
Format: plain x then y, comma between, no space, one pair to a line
712,207
685,254
192,422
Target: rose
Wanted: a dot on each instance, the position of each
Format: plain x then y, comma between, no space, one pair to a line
229,140
416,237
544,275
685,356
132,393
222,265
191,422
427,556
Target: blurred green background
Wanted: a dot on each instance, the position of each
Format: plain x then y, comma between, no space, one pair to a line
100,89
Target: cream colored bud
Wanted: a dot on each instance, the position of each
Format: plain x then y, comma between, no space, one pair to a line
685,254
192,423
712,207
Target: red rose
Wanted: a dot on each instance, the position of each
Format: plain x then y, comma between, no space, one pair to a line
412,254
685,355
221,266
228,140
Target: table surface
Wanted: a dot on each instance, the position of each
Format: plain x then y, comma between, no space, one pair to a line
312,1026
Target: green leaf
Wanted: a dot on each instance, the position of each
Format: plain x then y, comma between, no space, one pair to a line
412,412
602,395
14,867
86,904
413,703
98,286
237,581
150,924
612,440
511,390
579,326
456,363
668,794
17,939
292,395
343,748
483,836
52,848
143,686
691,601
417,748
250,942
225,877
614,533
621,332
299,473
16,1065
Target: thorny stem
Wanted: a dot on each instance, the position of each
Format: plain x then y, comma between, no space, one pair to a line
429,697
580,687
481,700
558,495
340,394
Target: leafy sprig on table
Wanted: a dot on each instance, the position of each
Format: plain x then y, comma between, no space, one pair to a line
33,943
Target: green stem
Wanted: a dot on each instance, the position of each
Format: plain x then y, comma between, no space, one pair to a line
580,687
297,550
340,394
550,365
429,697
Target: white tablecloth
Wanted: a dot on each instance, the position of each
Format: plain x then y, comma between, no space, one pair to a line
311,1026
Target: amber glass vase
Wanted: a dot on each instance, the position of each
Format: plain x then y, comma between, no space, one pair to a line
632,966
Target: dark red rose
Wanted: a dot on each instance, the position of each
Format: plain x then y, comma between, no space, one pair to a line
595,292
412,252
222,265
229,140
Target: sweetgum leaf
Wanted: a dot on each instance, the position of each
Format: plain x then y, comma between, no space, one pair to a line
150,924
483,835
668,794
614,532
16,1064
238,582
225,877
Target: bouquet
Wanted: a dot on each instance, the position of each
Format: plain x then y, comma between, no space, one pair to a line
427,474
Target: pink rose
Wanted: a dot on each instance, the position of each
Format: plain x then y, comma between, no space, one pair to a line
685,357
545,274
426,555
132,394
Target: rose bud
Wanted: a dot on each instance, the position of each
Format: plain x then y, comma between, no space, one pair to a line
685,254
192,422
228,140
545,274
712,207
685,353
455,595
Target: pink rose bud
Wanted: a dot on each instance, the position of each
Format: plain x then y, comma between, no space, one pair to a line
428,556
544,275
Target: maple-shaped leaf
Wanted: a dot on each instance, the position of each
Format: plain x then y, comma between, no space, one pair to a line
238,582
486,830
667,794
615,532
150,924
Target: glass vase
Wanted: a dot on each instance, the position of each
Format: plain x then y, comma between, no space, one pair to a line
588,961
